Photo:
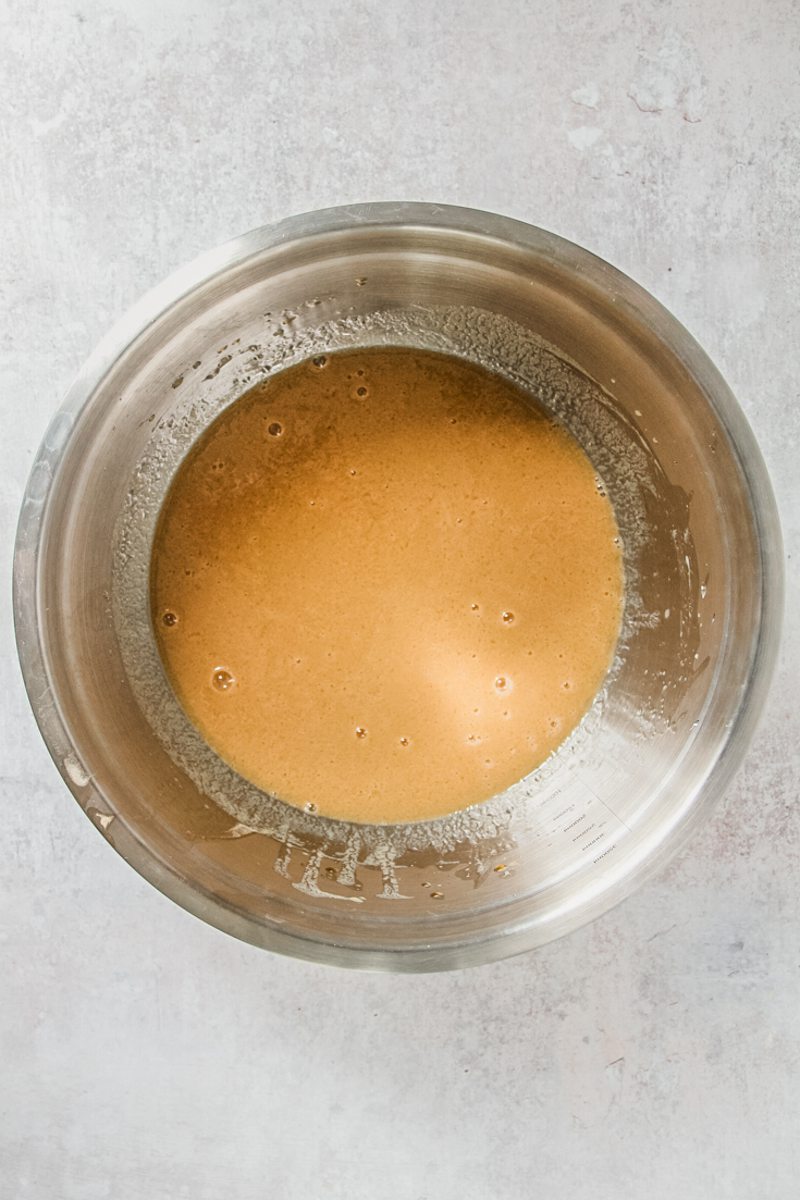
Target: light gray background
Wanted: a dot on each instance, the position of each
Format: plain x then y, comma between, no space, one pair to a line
655,1054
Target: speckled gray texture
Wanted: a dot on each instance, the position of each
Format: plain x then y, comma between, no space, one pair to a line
656,1053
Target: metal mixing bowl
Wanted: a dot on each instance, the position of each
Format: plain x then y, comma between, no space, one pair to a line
703,588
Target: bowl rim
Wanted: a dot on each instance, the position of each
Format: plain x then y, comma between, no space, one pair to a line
404,215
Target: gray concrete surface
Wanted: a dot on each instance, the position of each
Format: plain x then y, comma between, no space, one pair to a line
654,1054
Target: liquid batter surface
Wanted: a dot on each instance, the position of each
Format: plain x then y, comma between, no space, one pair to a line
384,586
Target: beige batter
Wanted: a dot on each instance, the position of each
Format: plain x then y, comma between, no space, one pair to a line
384,587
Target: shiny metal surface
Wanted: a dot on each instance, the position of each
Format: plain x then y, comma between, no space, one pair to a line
702,547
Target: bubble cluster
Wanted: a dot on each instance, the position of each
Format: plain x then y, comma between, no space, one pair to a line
360,731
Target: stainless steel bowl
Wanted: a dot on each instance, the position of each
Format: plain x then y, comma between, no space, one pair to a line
703,588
